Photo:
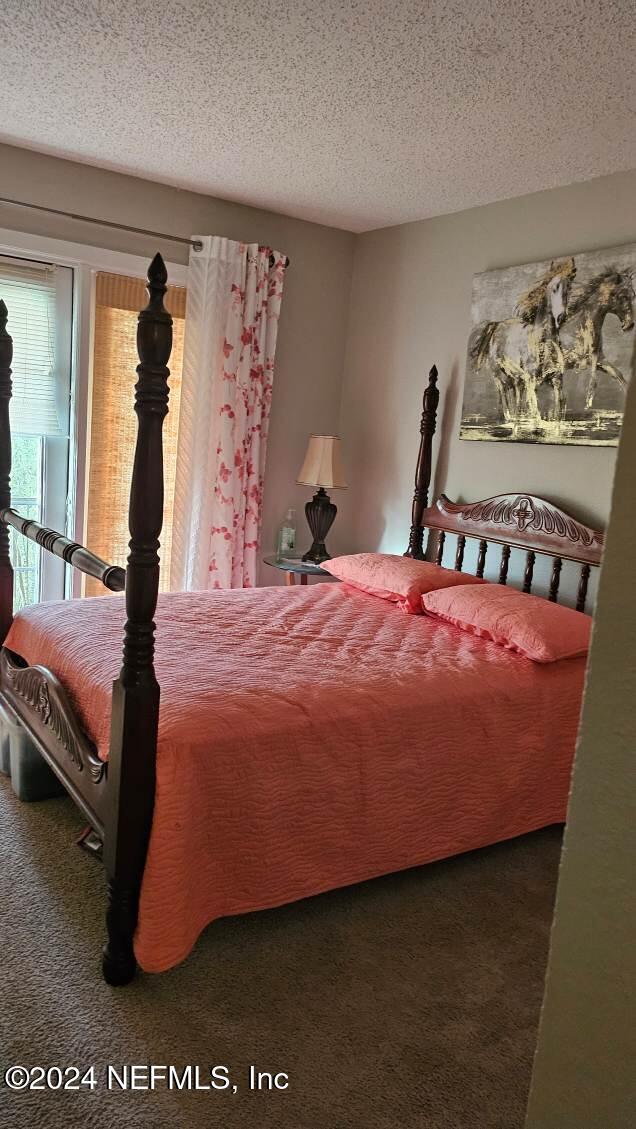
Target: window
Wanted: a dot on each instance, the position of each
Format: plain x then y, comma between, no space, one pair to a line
113,428
26,498
39,301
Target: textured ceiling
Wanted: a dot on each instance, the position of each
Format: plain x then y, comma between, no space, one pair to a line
355,113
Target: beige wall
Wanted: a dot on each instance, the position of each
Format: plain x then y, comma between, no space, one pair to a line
585,1070
410,306
313,321
411,298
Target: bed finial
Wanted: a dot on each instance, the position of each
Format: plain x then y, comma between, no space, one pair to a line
157,276
6,570
424,466
152,340
135,712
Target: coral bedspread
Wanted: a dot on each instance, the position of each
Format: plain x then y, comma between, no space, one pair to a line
311,738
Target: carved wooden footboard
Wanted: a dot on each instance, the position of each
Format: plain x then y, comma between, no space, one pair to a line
41,704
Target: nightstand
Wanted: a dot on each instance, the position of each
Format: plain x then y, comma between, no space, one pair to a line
293,567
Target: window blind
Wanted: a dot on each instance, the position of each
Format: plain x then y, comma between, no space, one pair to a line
118,300
29,291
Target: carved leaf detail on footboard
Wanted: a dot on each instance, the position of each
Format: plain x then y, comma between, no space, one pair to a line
43,695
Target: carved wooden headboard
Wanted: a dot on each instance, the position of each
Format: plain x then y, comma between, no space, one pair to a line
519,521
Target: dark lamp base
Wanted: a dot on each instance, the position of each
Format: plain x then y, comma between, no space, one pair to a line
320,514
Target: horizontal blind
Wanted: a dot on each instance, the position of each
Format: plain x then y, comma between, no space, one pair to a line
29,292
118,300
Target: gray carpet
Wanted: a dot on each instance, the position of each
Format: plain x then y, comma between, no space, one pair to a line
410,1001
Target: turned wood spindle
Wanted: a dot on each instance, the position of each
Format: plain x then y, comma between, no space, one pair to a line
529,571
581,595
503,567
555,579
145,517
440,547
459,555
135,712
111,576
6,569
481,558
424,466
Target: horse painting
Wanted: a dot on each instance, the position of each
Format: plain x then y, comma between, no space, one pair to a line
524,352
610,292
552,350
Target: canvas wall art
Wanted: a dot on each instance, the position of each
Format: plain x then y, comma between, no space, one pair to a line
552,350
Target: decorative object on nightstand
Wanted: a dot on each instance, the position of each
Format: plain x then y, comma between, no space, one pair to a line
293,567
286,540
323,468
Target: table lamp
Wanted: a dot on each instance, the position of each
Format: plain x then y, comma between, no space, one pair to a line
322,467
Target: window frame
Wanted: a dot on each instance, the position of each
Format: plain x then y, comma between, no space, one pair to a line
86,261
53,460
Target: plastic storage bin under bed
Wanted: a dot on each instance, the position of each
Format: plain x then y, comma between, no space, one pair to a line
31,777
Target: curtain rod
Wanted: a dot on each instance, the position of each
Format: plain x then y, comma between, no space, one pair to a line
196,244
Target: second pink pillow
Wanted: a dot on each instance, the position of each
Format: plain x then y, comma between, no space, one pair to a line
392,577
530,625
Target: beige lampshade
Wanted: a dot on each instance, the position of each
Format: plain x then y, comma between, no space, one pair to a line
323,465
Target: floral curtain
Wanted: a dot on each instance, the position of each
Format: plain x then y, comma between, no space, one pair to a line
233,307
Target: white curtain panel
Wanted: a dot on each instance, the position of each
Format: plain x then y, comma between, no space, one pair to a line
233,304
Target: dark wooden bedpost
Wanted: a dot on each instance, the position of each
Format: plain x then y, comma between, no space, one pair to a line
6,570
135,715
424,466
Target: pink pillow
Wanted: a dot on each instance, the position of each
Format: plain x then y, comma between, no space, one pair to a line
530,625
391,577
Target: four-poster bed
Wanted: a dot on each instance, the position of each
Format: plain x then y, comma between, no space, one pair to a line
117,780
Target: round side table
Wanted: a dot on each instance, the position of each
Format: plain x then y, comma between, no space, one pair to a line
293,567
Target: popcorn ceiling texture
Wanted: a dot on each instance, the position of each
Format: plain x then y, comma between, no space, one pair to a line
357,115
